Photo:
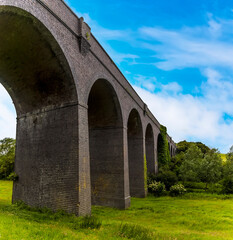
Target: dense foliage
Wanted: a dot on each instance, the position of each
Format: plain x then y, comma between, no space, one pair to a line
195,164
163,147
7,157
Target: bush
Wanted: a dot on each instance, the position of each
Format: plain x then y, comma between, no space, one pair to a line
215,188
157,188
90,222
177,190
168,177
13,177
227,185
133,231
151,178
194,185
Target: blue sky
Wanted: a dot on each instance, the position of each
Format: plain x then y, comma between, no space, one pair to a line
177,54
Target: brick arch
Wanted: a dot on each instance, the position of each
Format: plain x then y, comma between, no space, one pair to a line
136,155
106,145
34,69
37,76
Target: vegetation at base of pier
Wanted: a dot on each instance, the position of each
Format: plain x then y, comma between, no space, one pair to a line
192,216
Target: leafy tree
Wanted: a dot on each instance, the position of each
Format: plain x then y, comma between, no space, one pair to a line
203,147
190,166
7,157
228,166
183,146
176,162
210,168
227,182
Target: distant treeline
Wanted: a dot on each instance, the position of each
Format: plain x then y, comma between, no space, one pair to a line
7,158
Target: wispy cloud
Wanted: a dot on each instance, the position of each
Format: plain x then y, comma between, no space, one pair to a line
196,118
202,46
151,84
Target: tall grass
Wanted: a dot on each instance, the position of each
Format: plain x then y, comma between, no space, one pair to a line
201,216
134,231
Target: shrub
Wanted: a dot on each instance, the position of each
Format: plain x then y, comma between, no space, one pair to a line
215,188
157,188
13,177
168,177
133,231
151,178
177,190
227,185
91,222
194,185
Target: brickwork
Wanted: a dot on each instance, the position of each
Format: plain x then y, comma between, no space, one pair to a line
49,64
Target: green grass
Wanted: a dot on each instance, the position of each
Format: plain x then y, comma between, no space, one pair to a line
193,216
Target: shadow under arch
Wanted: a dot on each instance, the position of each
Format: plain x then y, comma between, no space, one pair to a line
150,150
106,146
36,74
136,155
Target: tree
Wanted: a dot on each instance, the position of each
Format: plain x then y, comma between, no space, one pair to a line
228,166
210,168
227,182
183,146
7,157
190,166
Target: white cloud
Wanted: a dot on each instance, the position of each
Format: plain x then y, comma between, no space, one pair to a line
191,47
151,84
196,118
7,115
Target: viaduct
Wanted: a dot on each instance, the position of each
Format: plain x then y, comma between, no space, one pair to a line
83,133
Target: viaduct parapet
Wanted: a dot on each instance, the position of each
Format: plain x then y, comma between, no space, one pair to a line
83,133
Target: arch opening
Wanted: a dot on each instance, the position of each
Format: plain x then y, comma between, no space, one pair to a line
150,150
106,146
37,76
136,155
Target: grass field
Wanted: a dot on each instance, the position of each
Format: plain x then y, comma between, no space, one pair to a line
194,216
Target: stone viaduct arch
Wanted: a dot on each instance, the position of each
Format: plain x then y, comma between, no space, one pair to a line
135,155
83,133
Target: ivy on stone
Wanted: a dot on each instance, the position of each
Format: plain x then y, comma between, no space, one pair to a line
163,147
